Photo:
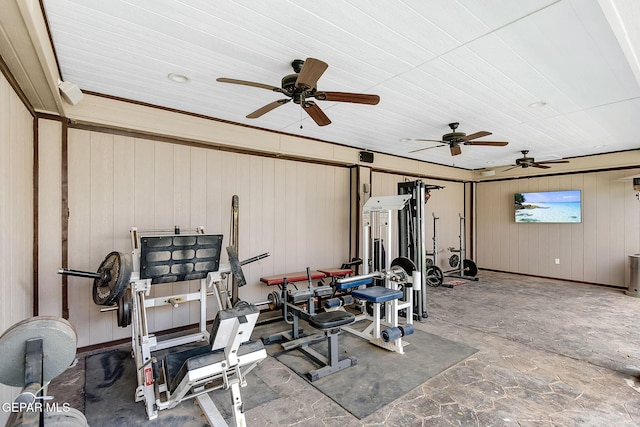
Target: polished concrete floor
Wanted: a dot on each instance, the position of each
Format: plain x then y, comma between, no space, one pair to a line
550,353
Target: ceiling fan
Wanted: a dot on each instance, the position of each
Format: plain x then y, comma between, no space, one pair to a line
454,139
525,162
300,87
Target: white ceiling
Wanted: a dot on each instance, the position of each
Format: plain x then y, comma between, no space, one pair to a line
477,62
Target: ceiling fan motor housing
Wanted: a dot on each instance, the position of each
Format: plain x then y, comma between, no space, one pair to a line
298,94
525,162
454,137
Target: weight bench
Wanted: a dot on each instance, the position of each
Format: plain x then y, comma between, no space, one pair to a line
390,338
300,276
329,322
221,363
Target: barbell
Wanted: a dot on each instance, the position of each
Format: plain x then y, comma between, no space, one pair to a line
111,279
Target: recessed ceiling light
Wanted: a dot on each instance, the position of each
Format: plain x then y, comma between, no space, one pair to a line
405,139
490,162
598,146
537,104
178,78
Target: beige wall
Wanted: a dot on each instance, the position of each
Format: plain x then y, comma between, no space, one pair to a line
299,212
16,215
594,251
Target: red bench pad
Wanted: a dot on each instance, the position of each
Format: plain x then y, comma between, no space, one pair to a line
336,272
299,276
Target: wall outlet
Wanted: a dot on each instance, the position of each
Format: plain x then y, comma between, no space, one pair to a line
557,261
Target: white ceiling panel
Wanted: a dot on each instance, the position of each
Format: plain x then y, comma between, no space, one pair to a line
477,62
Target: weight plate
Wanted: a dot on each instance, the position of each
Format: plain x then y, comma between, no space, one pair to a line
59,341
125,307
434,276
275,302
405,263
454,260
469,268
115,274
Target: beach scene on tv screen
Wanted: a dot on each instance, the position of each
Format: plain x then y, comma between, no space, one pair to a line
548,206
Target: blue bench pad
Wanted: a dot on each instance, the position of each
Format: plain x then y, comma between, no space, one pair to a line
377,294
354,284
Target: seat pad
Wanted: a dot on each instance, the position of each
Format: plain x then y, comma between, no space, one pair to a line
377,294
331,319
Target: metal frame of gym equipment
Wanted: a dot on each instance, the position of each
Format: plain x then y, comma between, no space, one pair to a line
411,237
462,265
230,332
330,322
436,278
123,282
397,273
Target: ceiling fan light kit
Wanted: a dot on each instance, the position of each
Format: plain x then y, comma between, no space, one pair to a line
300,87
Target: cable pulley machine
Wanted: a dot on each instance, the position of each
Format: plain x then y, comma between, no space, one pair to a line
411,237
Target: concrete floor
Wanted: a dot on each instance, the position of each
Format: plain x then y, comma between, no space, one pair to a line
551,353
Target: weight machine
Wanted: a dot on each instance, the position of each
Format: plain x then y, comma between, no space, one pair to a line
225,355
411,237
400,276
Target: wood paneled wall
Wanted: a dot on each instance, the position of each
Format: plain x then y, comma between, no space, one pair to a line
594,251
299,212
446,204
16,216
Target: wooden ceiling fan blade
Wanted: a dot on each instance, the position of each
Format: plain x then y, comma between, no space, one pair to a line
553,161
247,83
426,148
316,113
310,73
455,150
431,140
512,167
262,110
538,165
476,135
357,98
491,143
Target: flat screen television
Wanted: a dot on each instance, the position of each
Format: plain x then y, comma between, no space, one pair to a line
549,207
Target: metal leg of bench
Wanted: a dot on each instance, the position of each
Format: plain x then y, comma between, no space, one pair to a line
332,364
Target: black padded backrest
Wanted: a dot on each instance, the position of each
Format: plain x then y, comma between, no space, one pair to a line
165,259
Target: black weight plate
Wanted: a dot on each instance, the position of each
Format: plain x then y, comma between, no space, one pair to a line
115,274
469,268
125,306
405,263
454,260
434,276
275,301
